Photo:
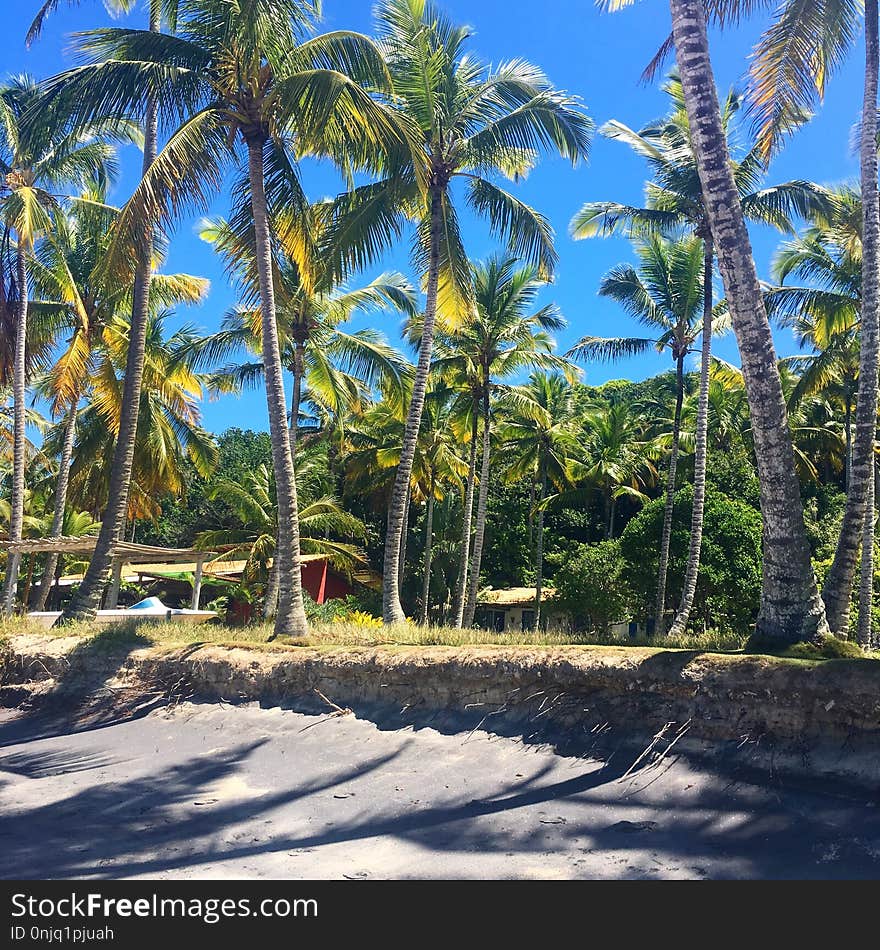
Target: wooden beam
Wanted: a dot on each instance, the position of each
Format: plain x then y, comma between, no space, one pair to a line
197,582
115,580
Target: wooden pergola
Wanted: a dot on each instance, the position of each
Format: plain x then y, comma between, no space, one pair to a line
126,552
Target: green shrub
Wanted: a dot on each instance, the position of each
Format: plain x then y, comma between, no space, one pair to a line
729,578
590,587
831,648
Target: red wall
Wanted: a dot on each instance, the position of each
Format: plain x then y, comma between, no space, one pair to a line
323,583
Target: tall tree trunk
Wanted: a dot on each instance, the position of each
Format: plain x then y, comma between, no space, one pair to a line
291,617
61,484
296,399
837,592
612,509
392,610
539,547
847,442
482,503
401,554
270,606
531,512
26,593
19,440
791,608
666,536
464,558
85,603
866,584
429,545
700,451
270,603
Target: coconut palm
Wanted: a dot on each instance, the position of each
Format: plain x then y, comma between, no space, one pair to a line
505,333
253,501
82,304
540,440
474,124
444,468
169,431
337,368
619,455
826,312
665,293
246,73
791,608
144,107
39,158
675,203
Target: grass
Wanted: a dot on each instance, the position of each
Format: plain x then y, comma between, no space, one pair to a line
347,634
340,635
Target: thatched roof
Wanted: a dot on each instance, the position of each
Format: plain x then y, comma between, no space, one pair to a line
127,551
512,597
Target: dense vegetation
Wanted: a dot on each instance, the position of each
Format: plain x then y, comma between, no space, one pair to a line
468,453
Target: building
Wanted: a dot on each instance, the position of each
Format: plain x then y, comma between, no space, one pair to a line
511,609
320,579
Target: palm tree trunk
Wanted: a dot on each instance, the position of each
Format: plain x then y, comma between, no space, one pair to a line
847,441
61,484
531,511
291,617
791,608
666,536
480,527
26,593
392,611
838,583
85,603
612,509
539,547
270,603
700,451
296,399
866,585
464,558
19,441
429,544
401,554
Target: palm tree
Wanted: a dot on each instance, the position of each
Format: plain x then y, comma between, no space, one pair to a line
540,440
169,431
145,107
805,44
253,502
791,607
674,203
67,278
619,455
666,294
503,334
251,73
39,156
444,468
337,367
826,312
473,124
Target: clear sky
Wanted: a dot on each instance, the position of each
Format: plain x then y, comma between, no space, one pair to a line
599,57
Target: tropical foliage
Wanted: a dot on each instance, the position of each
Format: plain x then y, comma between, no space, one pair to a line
467,452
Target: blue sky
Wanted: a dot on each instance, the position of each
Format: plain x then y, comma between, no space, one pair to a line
599,57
